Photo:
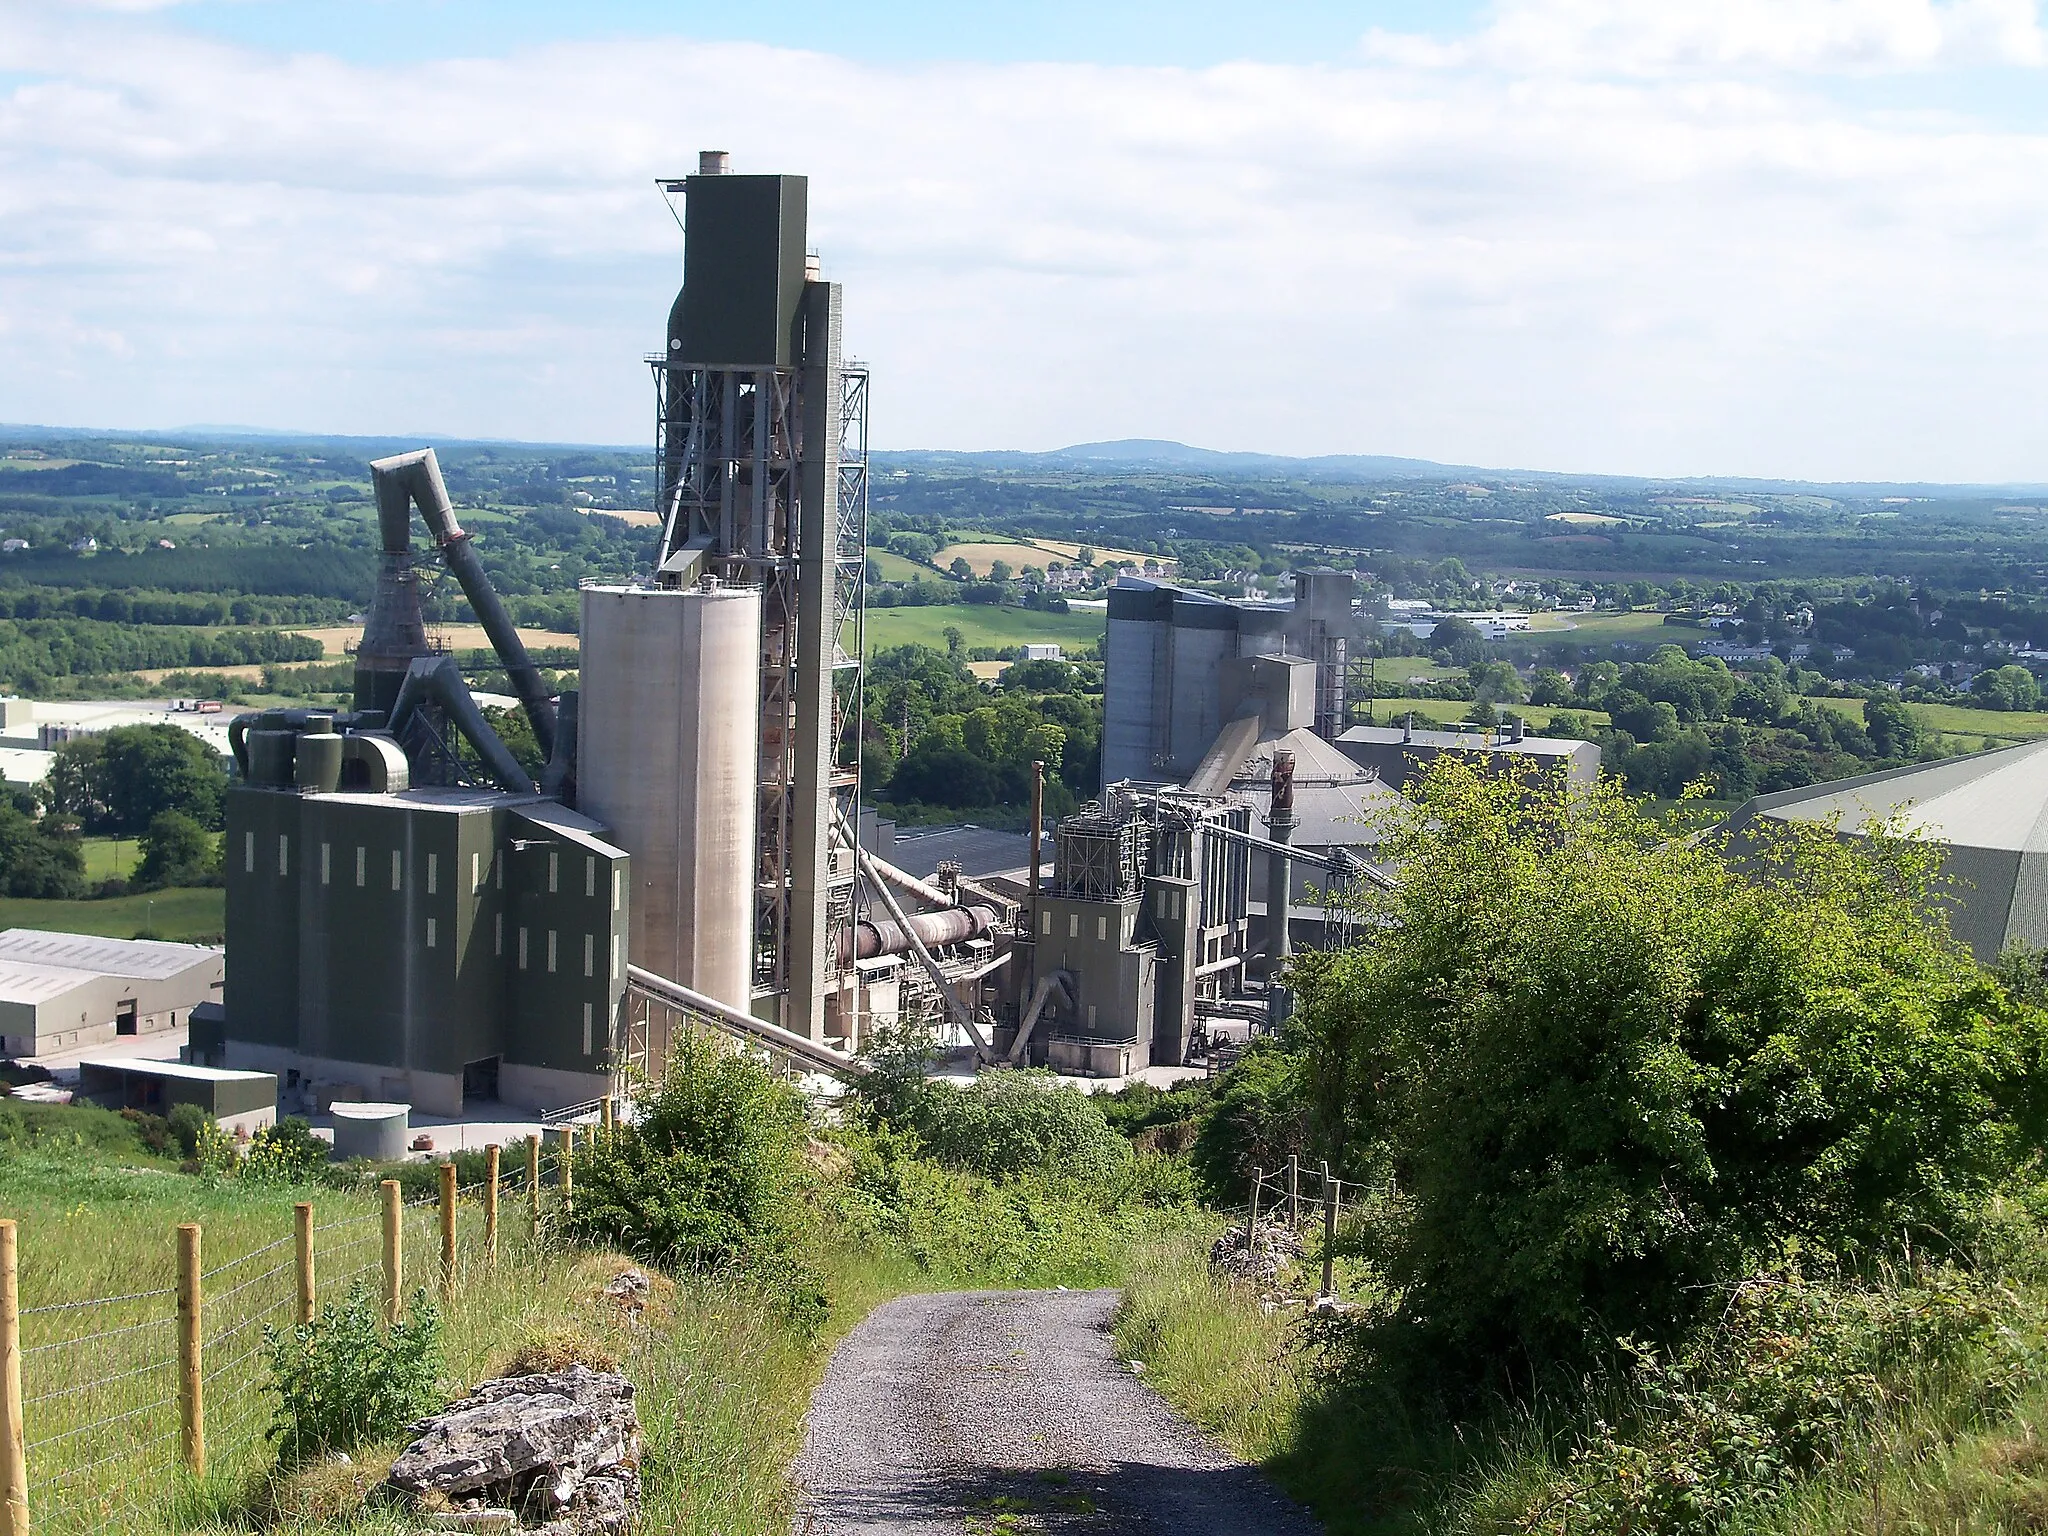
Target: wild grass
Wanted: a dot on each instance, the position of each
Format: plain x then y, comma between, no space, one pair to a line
724,1378
1940,1442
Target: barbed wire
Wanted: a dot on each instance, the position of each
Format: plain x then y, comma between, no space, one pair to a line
96,1301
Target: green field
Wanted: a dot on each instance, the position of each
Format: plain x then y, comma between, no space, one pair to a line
1960,720
895,567
980,625
187,915
110,858
1611,629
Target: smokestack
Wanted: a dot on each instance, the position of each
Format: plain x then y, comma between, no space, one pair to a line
1408,727
714,162
1519,728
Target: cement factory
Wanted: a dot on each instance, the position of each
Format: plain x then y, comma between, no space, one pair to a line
412,915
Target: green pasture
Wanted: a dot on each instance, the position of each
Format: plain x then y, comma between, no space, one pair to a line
979,625
189,915
895,567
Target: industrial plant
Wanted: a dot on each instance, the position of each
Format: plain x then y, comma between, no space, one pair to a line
413,914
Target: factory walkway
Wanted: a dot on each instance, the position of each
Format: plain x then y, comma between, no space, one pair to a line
940,1413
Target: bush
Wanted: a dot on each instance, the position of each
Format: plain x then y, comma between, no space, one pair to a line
1615,1071
1259,1113
1028,1230
706,1175
187,1122
342,1381
27,1123
1795,1373
285,1153
1016,1122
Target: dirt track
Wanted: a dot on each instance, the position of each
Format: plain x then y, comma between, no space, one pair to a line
940,1413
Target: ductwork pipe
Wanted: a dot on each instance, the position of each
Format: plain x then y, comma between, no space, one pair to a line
439,679
903,880
955,925
418,476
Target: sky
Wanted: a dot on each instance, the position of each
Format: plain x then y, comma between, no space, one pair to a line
1665,237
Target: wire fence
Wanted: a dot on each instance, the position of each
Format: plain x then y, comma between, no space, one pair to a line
121,1396
1298,1197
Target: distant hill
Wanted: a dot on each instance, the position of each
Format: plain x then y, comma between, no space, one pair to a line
1161,455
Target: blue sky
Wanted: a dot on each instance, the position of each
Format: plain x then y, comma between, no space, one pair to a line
1776,237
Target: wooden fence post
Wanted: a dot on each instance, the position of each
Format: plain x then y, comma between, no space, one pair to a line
13,1435
394,1253
569,1165
1251,1222
1329,1234
191,1381
448,1232
533,1177
1294,1191
491,1204
302,1231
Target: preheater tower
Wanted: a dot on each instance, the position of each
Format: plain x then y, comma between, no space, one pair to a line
761,432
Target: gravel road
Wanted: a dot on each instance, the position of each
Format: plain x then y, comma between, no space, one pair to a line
982,1411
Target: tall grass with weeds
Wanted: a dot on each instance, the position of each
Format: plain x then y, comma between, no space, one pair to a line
723,1373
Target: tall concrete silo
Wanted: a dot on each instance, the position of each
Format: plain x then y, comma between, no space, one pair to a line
667,746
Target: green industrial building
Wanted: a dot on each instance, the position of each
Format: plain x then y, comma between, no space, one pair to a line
428,945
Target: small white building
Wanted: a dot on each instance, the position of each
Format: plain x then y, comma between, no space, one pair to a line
64,991
1041,653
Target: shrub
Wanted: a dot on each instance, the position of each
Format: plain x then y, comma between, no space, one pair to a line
1794,1373
285,1153
705,1175
1008,1123
1259,1113
187,1123
341,1380
1617,1070
1028,1230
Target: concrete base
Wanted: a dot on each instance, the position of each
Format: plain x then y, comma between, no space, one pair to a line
545,1088
1091,1058
438,1093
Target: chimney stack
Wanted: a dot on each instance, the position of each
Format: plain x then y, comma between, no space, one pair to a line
714,162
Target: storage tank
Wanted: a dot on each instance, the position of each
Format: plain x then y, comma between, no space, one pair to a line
666,758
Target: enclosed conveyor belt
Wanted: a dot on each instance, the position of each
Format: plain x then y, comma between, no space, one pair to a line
709,1010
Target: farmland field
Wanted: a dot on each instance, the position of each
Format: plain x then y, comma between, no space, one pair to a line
979,625
188,915
895,567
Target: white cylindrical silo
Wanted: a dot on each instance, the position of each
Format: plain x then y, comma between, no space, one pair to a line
667,750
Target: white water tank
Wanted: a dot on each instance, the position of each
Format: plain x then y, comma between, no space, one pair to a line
668,743
375,1131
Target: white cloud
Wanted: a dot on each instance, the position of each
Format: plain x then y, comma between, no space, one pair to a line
1647,37
1555,268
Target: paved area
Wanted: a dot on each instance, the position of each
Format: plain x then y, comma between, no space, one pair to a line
986,1411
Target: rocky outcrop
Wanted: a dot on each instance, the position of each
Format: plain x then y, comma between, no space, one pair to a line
1256,1257
557,1453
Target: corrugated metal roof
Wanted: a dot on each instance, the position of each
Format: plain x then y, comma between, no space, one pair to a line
32,949
1986,800
977,850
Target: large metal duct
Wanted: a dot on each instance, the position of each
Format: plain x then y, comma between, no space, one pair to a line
417,476
437,678
667,758
884,936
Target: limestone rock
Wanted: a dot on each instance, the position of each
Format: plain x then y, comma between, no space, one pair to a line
561,1447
